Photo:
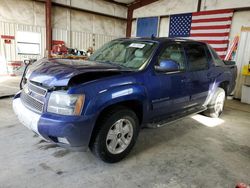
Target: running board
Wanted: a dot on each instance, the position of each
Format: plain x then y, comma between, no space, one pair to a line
172,118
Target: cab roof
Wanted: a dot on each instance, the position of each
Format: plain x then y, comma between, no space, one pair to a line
161,39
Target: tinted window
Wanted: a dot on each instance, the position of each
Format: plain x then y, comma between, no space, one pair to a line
174,52
196,55
217,60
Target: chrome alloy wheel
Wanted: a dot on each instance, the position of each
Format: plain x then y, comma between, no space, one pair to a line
219,103
119,136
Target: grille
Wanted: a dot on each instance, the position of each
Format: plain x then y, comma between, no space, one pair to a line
31,102
36,89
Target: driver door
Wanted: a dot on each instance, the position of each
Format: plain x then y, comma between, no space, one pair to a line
174,95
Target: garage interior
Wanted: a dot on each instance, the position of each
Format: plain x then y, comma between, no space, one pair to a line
196,151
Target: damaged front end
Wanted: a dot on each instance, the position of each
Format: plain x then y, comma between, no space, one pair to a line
46,104
57,74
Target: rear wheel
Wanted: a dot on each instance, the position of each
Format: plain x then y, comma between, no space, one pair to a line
117,134
215,107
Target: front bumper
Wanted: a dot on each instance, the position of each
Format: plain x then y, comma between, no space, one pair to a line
67,131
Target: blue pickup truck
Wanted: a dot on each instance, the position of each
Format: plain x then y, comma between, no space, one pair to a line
102,103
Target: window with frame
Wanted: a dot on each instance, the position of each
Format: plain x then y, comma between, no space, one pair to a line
174,52
197,58
28,43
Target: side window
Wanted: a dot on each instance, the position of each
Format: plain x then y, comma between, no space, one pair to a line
217,59
196,55
174,52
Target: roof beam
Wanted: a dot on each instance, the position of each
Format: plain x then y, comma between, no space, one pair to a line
141,3
117,3
82,10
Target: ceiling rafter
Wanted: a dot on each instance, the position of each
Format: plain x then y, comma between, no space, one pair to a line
140,3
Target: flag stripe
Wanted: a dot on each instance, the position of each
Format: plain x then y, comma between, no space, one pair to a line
210,38
209,34
211,20
210,27
215,41
212,12
211,23
212,16
221,53
219,49
219,45
211,31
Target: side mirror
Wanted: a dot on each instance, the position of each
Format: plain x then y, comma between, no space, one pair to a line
26,61
167,65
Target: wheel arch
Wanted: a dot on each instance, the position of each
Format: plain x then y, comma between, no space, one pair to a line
225,85
135,105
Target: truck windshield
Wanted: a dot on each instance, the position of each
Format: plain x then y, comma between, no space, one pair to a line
126,54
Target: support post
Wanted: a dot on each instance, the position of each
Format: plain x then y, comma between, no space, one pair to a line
129,22
48,27
199,6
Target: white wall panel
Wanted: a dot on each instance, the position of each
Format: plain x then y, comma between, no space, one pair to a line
98,6
33,13
81,40
61,34
222,4
242,58
133,29
81,21
22,12
8,52
164,27
120,28
73,39
102,39
240,18
166,7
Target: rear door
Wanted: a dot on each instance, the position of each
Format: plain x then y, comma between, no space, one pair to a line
198,78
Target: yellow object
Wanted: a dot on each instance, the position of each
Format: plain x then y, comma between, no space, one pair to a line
246,29
246,70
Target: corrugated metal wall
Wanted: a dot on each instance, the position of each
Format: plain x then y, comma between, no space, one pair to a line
81,40
8,52
73,39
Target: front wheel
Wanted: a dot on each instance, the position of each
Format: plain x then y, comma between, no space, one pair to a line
117,134
216,105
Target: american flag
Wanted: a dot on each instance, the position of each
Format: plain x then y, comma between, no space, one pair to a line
212,27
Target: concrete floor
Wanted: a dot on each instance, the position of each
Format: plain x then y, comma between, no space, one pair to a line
9,85
185,153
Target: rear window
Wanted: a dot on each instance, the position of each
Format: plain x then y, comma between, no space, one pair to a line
196,55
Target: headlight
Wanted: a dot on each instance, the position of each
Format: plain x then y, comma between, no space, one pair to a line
66,104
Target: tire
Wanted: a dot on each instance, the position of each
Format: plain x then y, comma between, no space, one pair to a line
216,105
116,136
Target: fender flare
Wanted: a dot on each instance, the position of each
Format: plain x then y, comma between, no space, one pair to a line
117,94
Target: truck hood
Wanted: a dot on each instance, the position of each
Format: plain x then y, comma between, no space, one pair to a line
66,72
